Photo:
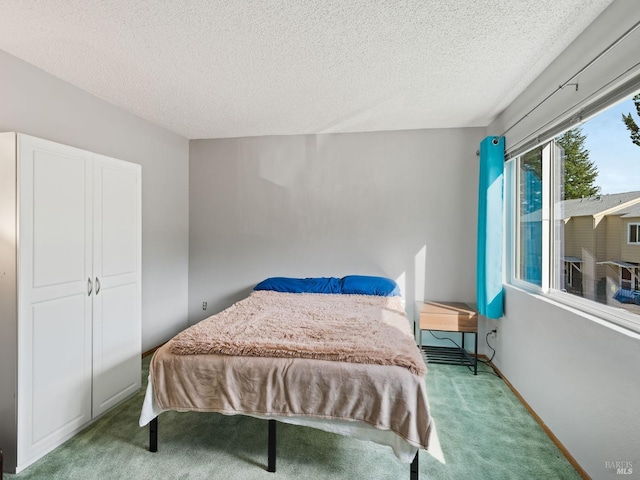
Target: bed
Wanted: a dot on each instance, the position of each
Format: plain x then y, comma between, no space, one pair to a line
336,354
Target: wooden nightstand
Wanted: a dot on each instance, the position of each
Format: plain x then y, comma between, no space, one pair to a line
449,317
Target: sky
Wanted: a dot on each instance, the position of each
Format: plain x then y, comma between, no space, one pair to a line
611,149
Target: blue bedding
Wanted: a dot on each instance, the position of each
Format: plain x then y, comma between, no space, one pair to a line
351,284
368,285
300,285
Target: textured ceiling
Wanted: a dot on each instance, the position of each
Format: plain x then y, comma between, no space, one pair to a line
231,68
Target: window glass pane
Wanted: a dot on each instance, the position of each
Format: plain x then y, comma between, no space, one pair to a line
597,209
529,265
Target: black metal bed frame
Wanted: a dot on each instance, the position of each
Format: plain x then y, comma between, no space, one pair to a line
271,449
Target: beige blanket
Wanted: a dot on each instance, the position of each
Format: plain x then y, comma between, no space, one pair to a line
387,397
350,328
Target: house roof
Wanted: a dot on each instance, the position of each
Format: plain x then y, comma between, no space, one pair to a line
633,211
601,205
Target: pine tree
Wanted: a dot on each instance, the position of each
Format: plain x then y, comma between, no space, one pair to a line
632,126
579,172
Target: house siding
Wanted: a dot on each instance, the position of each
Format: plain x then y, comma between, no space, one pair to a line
629,252
613,238
580,241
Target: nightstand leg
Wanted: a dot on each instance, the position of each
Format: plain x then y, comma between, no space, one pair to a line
475,356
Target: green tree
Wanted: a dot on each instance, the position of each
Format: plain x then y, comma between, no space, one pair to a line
630,123
579,172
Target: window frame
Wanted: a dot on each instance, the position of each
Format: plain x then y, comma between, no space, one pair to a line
512,175
552,264
637,229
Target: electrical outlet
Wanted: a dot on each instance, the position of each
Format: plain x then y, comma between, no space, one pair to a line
204,305
494,332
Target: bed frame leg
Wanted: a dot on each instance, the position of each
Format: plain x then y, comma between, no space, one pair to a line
414,467
153,435
271,465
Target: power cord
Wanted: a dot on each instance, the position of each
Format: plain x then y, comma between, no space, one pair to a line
488,362
486,339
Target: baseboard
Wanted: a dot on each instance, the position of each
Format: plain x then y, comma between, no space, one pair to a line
151,351
546,429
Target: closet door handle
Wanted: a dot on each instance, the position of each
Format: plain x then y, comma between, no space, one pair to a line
89,287
97,286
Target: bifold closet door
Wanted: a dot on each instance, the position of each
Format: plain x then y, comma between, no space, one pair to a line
117,279
55,304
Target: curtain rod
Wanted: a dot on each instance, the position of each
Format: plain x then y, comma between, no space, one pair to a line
569,82
573,77
579,112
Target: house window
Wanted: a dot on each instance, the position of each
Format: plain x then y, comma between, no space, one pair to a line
572,276
634,233
571,201
626,278
630,278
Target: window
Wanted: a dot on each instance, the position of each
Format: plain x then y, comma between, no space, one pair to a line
634,233
575,209
529,251
625,278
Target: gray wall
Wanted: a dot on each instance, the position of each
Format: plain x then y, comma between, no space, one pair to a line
38,104
579,374
400,204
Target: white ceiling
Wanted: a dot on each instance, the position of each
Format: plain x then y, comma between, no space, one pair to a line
232,68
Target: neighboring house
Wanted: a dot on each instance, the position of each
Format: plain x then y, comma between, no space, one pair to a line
602,247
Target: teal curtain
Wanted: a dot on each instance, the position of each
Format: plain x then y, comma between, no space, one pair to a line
489,294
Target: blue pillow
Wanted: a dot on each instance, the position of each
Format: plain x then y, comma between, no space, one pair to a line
366,285
300,285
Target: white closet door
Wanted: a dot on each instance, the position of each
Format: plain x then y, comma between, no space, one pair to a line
117,273
54,331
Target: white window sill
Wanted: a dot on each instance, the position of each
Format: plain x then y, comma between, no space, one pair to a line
615,318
